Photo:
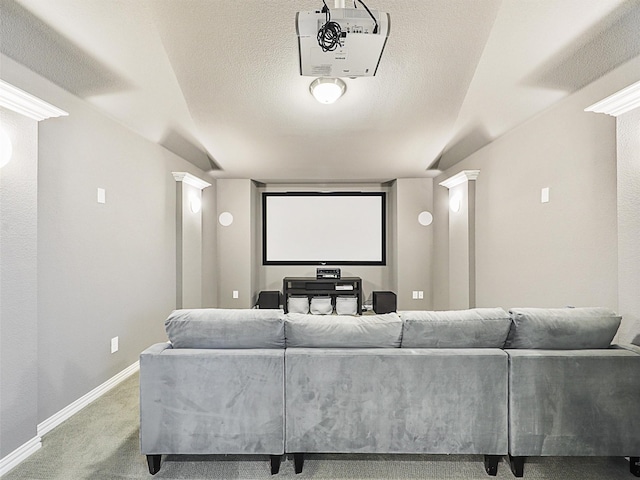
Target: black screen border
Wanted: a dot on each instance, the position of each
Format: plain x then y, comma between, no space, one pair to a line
383,214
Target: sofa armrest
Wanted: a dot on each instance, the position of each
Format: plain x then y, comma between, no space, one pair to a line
211,401
157,348
574,402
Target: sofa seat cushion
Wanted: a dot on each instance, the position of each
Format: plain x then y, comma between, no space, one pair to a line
475,328
343,331
562,328
226,328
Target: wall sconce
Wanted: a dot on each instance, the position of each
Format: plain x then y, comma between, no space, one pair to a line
195,204
425,218
6,149
454,202
225,219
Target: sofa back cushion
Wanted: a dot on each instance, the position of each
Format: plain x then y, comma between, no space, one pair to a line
226,328
562,328
343,331
475,328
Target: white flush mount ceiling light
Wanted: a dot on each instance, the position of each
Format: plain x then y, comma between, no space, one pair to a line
327,90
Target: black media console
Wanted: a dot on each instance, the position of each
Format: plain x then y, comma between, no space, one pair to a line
314,287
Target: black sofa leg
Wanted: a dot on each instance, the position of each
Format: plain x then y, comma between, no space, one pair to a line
275,463
298,462
491,464
154,463
634,465
517,465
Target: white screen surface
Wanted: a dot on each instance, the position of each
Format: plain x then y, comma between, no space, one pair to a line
335,228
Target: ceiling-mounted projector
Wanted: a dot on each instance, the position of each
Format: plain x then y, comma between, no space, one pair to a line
358,48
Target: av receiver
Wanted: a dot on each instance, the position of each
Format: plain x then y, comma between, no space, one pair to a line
327,273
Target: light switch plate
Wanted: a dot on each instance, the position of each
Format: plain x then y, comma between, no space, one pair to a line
544,195
102,195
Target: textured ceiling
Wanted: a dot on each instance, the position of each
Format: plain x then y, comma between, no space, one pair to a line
217,81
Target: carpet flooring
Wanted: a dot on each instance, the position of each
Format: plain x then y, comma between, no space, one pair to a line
101,442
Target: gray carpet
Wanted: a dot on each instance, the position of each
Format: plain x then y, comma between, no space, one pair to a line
101,442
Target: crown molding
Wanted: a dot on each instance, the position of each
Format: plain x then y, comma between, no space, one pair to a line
26,104
620,102
459,178
190,180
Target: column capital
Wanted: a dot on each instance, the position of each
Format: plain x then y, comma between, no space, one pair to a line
190,180
19,101
459,178
620,102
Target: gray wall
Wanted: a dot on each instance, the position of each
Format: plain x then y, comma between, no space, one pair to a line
18,281
391,275
441,277
104,270
559,253
628,134
209,246
240,257
270,277
235,243
414,243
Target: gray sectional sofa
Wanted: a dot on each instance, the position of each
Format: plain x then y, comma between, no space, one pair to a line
217,388
262,382
571,393
351,386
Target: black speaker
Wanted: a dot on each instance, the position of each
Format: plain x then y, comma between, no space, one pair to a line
269,299
384,302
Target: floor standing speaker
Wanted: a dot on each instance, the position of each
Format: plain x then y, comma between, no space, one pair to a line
269,299
384,302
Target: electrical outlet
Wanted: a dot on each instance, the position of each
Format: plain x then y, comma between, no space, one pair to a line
420,295
114,344
235,294
414,295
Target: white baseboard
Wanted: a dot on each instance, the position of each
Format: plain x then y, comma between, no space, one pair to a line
70,410
19,454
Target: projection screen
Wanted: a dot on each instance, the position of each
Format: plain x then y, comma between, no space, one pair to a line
318,228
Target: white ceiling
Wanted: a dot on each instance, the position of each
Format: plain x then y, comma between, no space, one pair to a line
218,82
